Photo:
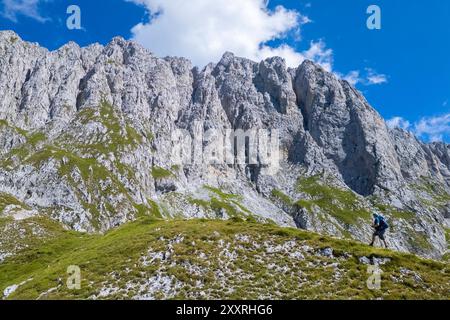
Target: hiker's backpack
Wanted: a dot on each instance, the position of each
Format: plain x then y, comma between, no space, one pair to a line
383,223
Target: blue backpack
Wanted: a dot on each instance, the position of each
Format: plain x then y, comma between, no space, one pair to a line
382,222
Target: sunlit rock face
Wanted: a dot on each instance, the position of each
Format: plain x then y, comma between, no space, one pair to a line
86,137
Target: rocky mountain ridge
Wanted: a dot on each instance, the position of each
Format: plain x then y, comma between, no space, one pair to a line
86,139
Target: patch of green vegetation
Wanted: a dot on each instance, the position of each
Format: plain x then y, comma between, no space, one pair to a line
434,189
159,173
149,135
18,235
78,157
22,151
4,123
125,170
220,205
36,138
222,202
228,202
419,240
120,136
87,115
69,161
200,203
115,260
342,204
92,173
132,135
7,200
119,133
21,131
284,198
222,195
155,209
111,121
217,205
13,39
446,256
308,205
400,214
144,211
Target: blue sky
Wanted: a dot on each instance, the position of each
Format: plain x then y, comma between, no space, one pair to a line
403,69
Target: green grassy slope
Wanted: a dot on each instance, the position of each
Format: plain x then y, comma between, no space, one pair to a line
210,259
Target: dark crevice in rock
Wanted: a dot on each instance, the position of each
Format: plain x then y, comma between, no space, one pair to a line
28,76
82,87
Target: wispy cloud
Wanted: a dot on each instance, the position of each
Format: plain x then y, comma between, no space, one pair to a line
375,78
436,128
12,9
353,77
398,122
370,77
203,30
319,53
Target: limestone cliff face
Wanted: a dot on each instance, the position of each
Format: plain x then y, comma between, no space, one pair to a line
86,137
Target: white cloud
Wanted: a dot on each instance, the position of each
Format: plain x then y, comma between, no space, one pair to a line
371,77
353,77
398,122
431,129
375,78
320,54
434,128
202,30
29,8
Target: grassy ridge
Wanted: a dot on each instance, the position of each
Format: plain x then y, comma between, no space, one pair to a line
215,259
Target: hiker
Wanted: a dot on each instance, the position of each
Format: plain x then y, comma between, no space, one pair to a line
380,225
